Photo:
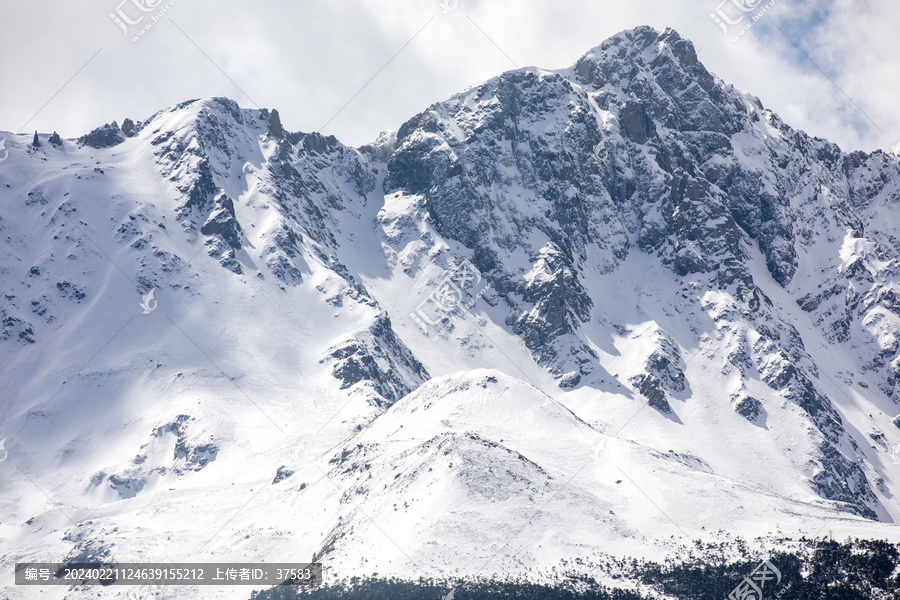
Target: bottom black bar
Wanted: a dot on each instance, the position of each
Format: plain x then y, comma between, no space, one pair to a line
106,574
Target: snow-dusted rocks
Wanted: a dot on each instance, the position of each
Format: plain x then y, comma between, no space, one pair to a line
378,360
622,300
106,136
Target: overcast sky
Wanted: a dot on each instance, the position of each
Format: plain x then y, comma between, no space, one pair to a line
353,68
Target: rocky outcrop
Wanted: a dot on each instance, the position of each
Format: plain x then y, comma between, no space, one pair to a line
378,360
106,136
223,234
638,145
558,303
663,376
12,327
748,407
194,449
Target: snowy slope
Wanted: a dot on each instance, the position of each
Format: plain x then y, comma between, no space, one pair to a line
606,310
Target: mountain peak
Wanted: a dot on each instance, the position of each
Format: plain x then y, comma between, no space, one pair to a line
644,48
538,295
641,36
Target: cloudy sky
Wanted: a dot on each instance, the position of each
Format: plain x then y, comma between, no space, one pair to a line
352,68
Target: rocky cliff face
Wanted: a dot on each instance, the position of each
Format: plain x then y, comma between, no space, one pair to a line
638,148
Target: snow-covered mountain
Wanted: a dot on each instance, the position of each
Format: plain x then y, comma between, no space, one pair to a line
605,310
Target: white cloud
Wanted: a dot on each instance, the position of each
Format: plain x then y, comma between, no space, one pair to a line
308,58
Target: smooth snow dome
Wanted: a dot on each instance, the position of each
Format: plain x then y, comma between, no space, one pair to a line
560,320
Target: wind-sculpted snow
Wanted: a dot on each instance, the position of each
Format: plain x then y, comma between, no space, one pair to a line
623,301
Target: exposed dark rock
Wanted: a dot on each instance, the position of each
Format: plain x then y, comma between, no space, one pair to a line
282,474
748,407
87,550
570,380
379,358
192,453
15,328
843,481
196,456
199,189
223,234
636,123
125,486
650,388
810,303
559,303
665,362
275,127
222,222
284,256
36,196
70,291
107,136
